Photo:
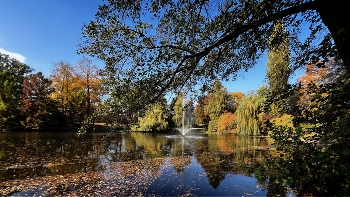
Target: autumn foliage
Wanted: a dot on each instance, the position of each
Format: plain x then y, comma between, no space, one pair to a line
227,123
315,75
201,117
38,108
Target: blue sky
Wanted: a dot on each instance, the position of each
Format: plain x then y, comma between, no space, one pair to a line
41,32
44,31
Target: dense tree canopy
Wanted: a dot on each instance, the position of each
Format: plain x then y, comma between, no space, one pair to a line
77,89
201,117
166,45
38,109
217,104
249,113
155,119
278,68
12,74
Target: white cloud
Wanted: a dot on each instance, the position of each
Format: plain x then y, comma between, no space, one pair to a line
16,56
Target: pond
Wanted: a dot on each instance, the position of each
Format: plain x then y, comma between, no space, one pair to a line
130,163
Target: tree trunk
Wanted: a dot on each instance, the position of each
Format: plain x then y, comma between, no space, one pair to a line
336,16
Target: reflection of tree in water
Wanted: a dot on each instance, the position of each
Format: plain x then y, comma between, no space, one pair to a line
153,145
301,170
31,154
180,162
216,167
225,156
269,175
120,148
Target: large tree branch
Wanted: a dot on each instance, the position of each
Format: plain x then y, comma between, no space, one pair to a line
239,29
236,32
153,46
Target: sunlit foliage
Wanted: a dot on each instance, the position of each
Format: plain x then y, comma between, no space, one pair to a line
155,119
62,77
318,139
237,98
227,123
77,89
88,79
248,114
165,46
278,68
178,110
217,104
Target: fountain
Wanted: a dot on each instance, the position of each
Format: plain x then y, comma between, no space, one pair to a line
186,116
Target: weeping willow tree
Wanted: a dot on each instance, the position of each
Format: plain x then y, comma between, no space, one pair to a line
248,116
155,119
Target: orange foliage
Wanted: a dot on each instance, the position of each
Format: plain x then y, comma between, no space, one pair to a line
226,145
201,116
237,96
227,123
314,74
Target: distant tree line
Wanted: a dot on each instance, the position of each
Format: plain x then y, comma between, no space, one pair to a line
31,101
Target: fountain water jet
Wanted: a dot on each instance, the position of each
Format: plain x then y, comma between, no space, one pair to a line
186,116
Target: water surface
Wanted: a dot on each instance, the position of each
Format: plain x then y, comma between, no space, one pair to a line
130,163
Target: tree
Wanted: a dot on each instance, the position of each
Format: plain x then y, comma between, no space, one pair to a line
227,123
217,104
39,110
316,144
236,98
316,75
77,89
62,77
248,113
197,41
155,119
87,76
12,74
178,110
77,106
278,69
201,117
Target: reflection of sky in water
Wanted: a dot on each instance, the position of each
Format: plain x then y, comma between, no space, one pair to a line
196,164
193,181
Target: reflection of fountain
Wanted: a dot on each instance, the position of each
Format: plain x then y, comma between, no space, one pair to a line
186,116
